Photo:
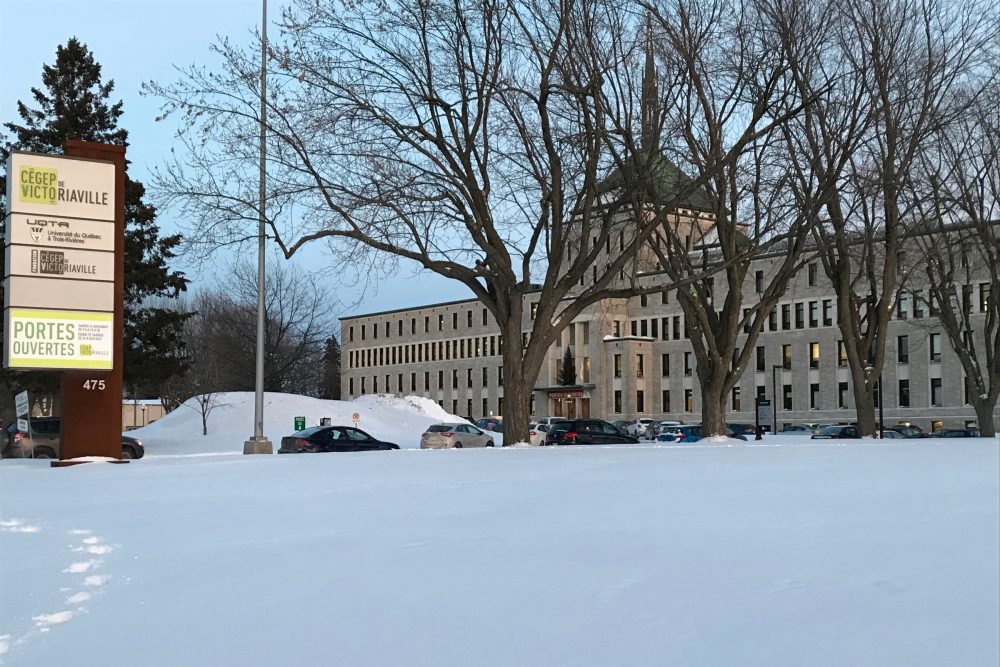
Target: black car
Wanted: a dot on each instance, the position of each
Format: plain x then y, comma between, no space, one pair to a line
956,433
490,424
907,431
331,439
586,432
45,438
836,433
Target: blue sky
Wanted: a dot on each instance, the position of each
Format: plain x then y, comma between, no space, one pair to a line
141,40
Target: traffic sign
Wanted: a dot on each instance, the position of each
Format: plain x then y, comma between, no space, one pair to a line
356,417
300,423
21,403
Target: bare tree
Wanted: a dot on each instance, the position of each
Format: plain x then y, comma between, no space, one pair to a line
748,206
892,71
471,138
958,186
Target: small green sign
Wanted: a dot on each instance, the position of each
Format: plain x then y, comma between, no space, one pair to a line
300,423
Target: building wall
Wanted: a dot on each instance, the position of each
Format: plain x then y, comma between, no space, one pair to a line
633,327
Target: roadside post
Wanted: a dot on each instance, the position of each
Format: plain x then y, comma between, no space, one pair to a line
763,416
356,418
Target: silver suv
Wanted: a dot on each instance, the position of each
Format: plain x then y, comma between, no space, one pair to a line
447,436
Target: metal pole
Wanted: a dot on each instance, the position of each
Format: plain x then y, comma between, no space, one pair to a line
774,390
881,412
259,444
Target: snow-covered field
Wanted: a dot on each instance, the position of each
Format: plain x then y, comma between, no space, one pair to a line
789,552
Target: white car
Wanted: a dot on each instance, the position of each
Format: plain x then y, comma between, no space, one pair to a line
549,421
639,426
661,427
537,433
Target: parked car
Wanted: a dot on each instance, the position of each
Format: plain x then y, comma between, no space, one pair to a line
548,421
907,431
639,426
956,433
688,433
621,424
889,434
743,429
836,432
795,429
317,439
662,427
490,424
457,436
43,443
587,432
537,433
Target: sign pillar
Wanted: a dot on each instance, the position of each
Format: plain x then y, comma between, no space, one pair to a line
92,400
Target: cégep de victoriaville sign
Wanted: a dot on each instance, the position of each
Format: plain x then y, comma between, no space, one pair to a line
59,247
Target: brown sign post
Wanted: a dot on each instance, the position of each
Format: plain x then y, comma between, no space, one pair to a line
92,400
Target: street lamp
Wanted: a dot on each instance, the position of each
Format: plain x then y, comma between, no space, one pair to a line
259,444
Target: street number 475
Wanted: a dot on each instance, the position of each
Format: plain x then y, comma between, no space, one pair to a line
93,385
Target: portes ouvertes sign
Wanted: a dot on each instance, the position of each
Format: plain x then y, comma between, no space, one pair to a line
59,248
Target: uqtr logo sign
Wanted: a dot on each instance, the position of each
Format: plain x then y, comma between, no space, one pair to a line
41,185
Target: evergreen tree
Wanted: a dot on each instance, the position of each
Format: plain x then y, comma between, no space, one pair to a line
331,369
567,371
74,104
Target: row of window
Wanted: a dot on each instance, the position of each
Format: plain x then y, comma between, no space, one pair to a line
902,357
787,397
400,388
415,353
441,319
913,303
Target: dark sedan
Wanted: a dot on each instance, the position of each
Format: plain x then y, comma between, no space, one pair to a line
331,439
956,433
587,432
836,433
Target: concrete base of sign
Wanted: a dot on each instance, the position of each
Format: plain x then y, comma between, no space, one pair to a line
258,446
75,462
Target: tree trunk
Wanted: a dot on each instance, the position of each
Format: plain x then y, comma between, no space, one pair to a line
520,374
864,403
984,415
713,407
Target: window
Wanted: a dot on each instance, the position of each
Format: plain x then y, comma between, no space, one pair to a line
688,400
534,309
813,275
967,299
935,347
350,386
904,393
486,314
664,297
665,365
687,363
440,379
665,400
813,314
468,320
618,365
902,350
350,333
772,320
814,396
485,379
640,401
362,385
841,394
736,399
786,356
643,300
639,365
933,308
427,323
786,393
454,321
936,392
984,297
758,282
903,307
841,354
918,306
676,323
761,360
468,405
413,381
441,322
746,320
654,328
813,355
486,407
375,332
618,400
427,381
454,379
586,369
617,328
399,383
827,312
635,328
644,328
786,317
362,332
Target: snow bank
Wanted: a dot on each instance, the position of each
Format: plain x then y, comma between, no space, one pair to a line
230,423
